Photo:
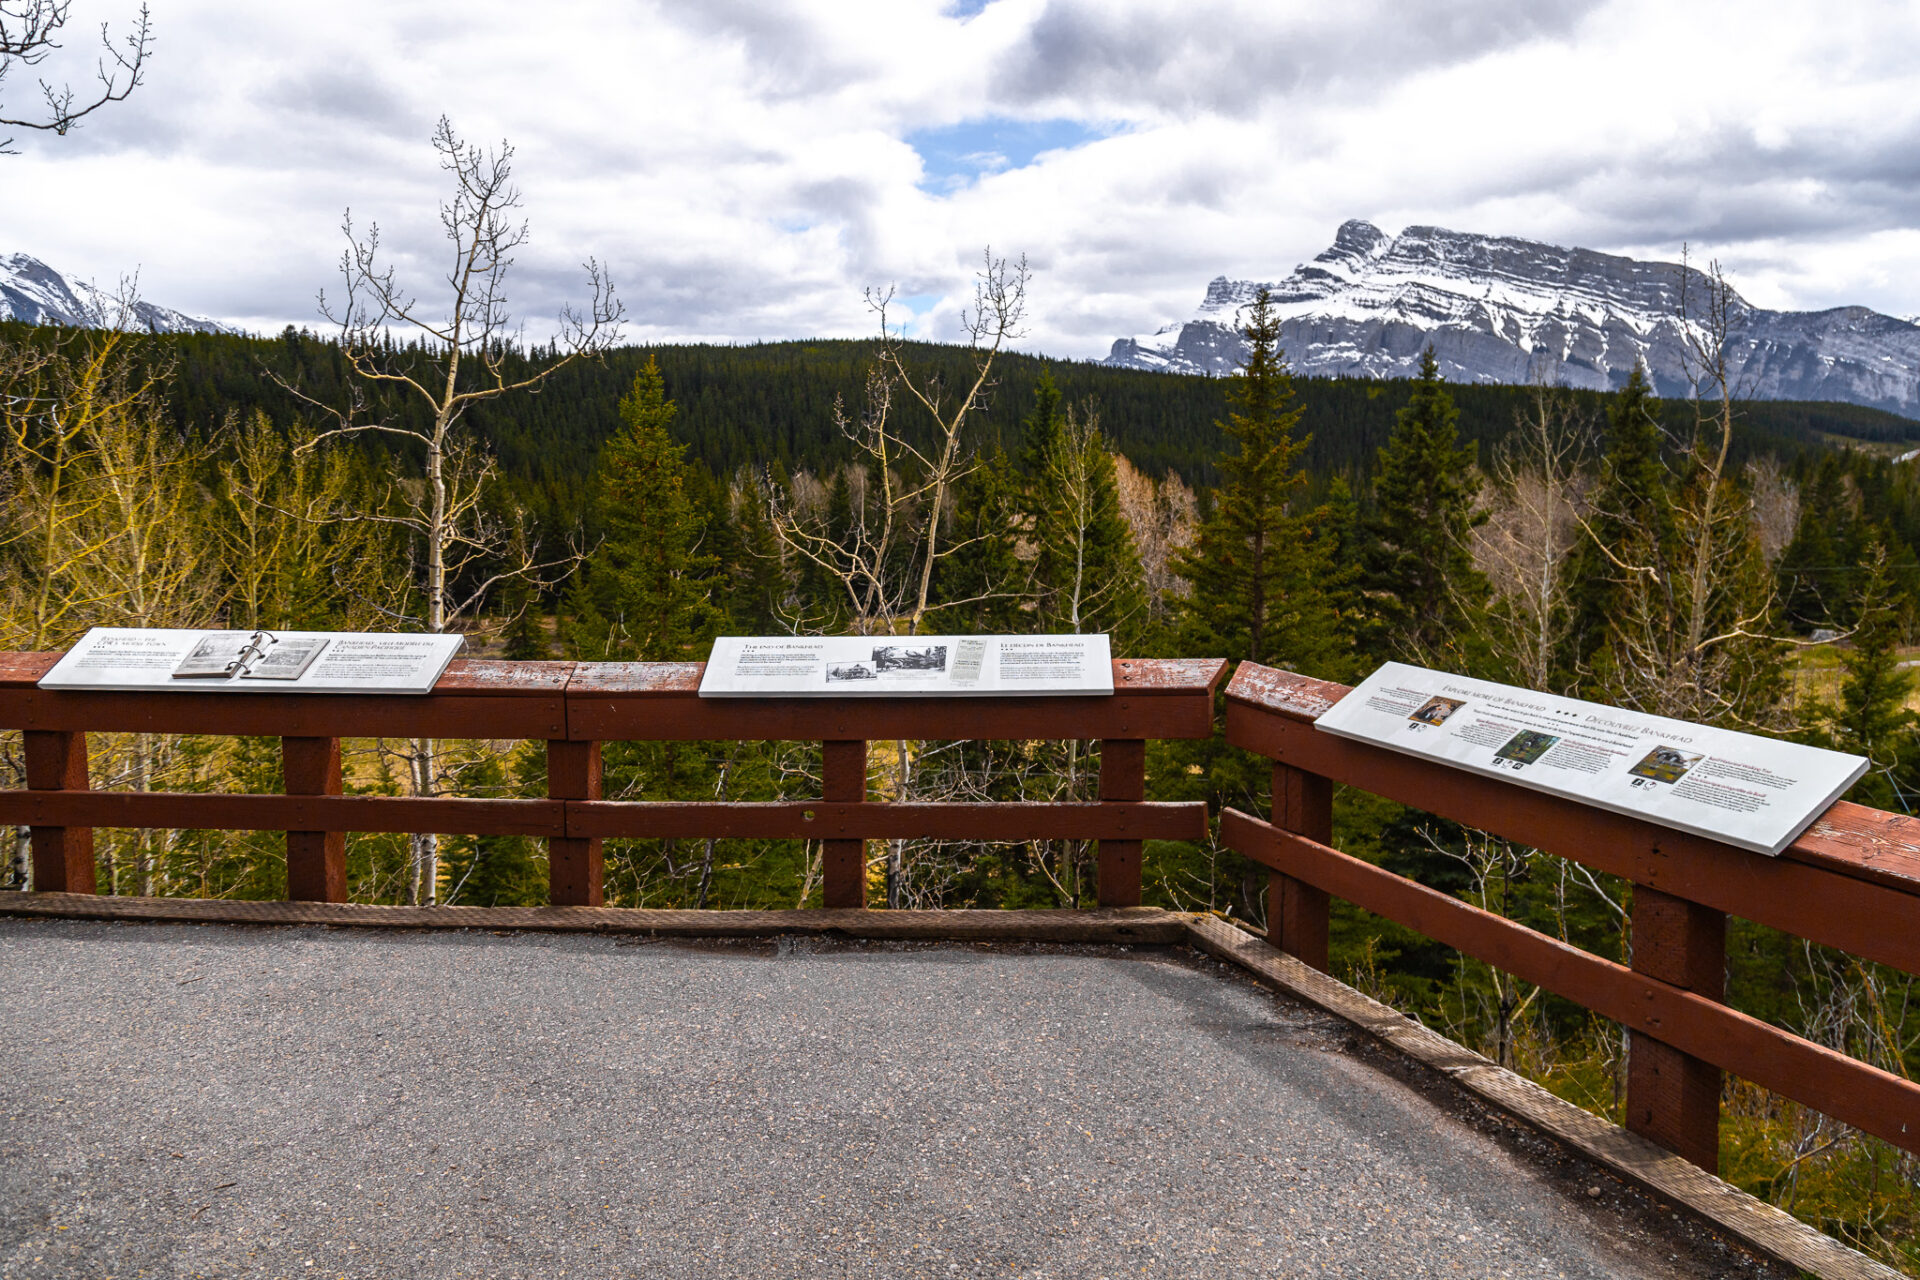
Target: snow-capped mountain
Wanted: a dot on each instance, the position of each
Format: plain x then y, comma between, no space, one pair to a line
34,292
1497,309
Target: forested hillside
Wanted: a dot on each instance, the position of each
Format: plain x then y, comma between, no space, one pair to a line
772,404
1669,556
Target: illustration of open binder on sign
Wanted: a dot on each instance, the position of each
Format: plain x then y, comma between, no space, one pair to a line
249,655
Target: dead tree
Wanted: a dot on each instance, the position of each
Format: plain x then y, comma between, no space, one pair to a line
884,565
1531,535
30,31
463,352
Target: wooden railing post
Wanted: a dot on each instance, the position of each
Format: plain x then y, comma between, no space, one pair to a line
843,863
1674,1098
1123,776
62,856
1297,913
576,867
316,860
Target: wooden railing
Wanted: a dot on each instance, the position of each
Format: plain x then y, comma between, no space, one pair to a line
1851,882
574,707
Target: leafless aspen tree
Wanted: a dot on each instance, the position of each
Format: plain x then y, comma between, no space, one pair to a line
30,32
884,566
465,344
1776,506
1691,639
102,524
1162,517
1531,533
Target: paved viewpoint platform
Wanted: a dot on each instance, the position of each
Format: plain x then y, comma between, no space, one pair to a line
234,1101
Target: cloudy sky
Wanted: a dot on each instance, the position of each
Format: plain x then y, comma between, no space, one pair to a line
746,166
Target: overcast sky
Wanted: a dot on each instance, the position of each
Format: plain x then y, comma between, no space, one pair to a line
746,166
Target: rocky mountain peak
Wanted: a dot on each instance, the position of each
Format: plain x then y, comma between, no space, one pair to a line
1505,309
34,293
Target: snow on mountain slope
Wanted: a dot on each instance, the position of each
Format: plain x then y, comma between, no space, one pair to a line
1498,309
33,292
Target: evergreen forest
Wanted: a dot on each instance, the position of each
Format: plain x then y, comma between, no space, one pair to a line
1753,565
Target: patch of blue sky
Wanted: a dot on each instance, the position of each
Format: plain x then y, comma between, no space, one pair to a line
965,8
908,312
955,155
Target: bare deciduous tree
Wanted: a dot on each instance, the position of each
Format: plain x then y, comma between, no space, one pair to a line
461,350
883,565
1162,517
1776,505
30,32
1531,533
1691,642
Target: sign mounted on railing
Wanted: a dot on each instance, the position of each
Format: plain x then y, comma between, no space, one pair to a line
895,666
145,659
1753,792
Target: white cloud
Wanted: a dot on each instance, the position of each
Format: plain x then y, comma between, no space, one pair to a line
746,168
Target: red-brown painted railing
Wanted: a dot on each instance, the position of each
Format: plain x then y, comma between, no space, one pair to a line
574,707
1851,882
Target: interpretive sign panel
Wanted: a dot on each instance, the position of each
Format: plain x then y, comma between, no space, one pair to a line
893,666
1753,792
129,659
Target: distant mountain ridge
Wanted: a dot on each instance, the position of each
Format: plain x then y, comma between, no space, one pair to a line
35,293
1506,310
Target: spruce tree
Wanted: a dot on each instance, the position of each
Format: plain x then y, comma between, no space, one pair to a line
1042,426
526,635
1086,569
644,594
1256,568
1631,516
982,573
1422,588
1872,719
1807,570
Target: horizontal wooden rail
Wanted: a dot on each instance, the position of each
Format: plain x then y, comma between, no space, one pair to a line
617,701
1162,698
204,811
880,820
1869,906
573,708
1851,882
1863,1096
601,819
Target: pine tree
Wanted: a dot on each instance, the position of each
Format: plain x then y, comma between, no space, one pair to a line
526,636
1422,587
1872,719
1256,567
1086,570
982,572
1807,569
644,594
1042,426
1631,517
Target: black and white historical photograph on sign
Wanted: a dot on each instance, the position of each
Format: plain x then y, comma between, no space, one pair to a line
840,672
900,657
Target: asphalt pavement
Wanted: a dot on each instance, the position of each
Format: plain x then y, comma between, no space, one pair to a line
222,1101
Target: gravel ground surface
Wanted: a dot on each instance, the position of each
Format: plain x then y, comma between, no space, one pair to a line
223,1101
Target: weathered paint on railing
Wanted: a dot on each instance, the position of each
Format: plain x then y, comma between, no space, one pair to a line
1852,882
574,707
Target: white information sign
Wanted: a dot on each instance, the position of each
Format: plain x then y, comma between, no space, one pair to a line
130,659
892,666
1753,792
